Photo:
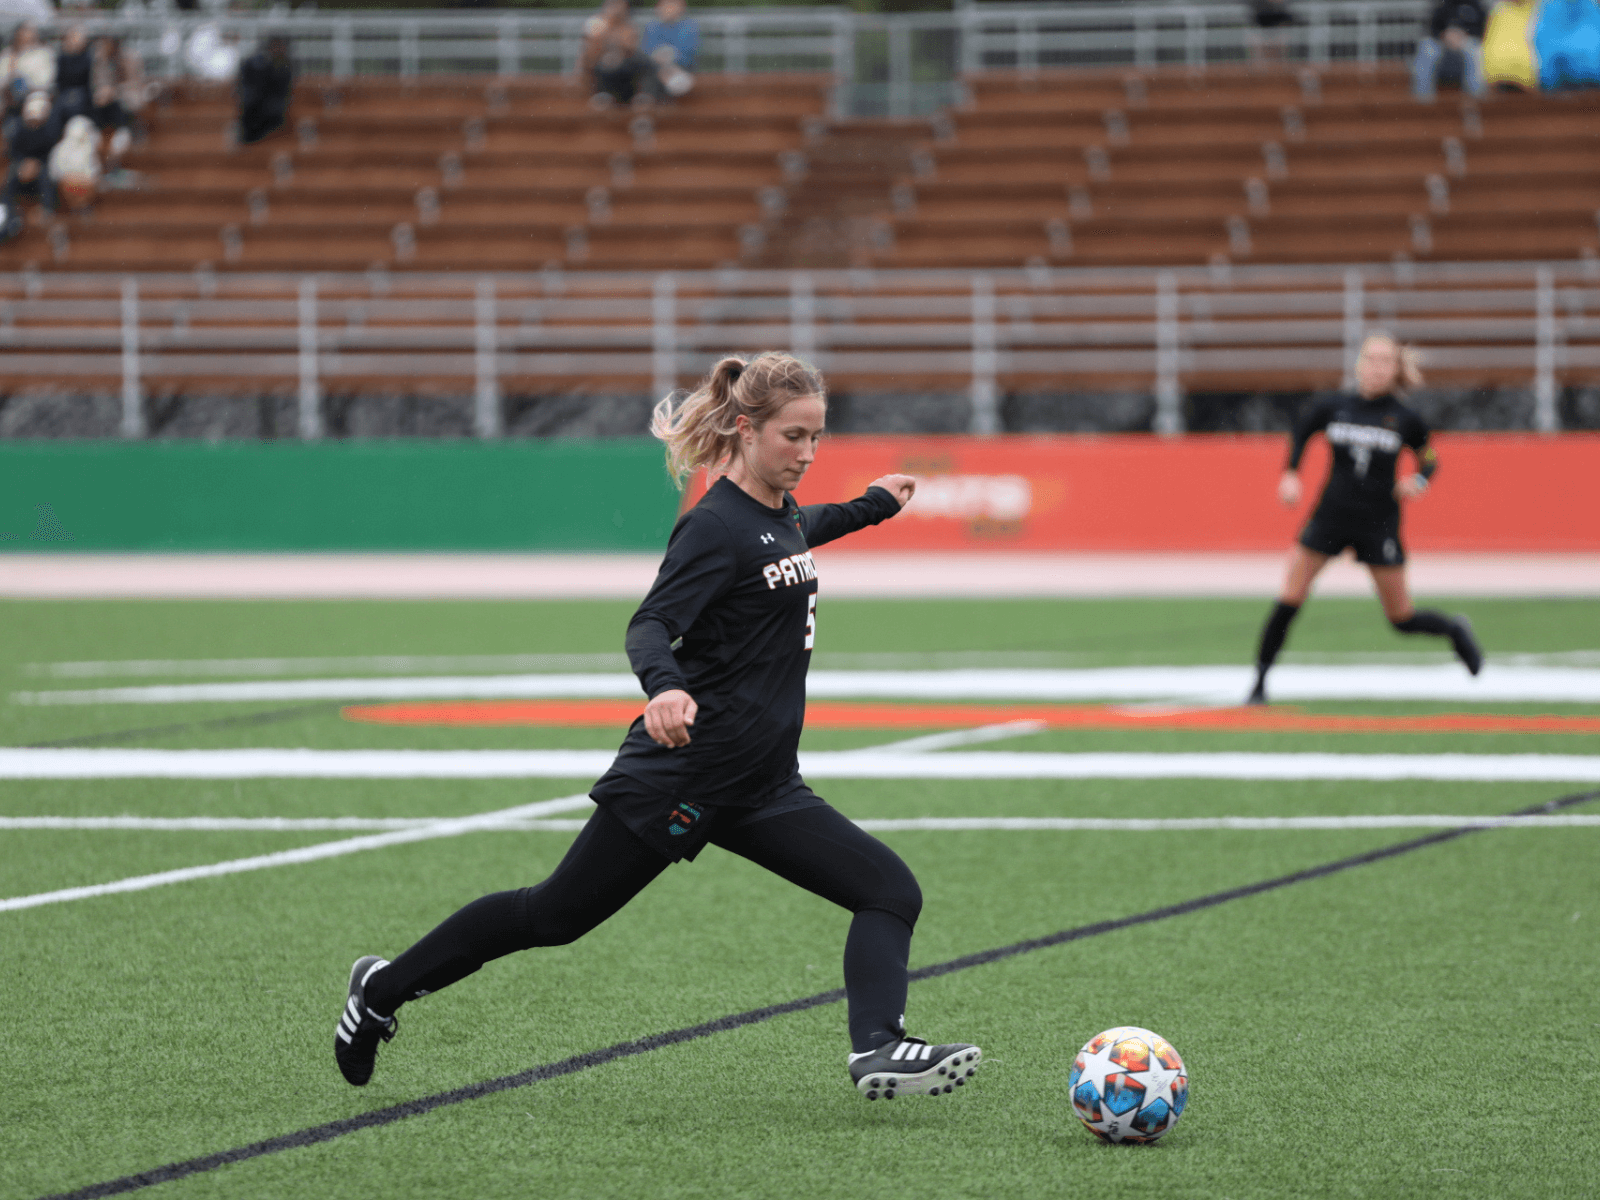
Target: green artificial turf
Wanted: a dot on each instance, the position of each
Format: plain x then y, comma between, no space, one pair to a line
1421,1026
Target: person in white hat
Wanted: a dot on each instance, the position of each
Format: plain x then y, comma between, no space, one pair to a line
75,164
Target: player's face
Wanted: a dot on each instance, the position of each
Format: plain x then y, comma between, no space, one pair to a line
1377,367
781,450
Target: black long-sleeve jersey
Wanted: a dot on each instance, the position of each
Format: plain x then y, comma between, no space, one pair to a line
739,586
1366,436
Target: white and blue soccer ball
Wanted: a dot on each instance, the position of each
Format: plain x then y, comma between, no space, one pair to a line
1128,1085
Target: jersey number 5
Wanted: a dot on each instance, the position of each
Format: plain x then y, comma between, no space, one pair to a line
811,620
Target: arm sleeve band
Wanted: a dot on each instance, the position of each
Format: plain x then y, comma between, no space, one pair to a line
1417,439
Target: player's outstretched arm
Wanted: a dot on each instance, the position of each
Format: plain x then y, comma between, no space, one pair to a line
668,716
884,497
900,487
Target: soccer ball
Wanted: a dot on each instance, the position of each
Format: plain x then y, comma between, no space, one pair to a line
1128,1085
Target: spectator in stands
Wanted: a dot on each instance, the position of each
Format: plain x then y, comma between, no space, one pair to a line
1271,37
1452,51
75,164
118,66
611,57
35,136
213,53
26,67
1508,64
118,97
74,75
671,41
1566,44
266,83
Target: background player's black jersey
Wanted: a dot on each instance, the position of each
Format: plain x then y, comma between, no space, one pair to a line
739,586
1366,436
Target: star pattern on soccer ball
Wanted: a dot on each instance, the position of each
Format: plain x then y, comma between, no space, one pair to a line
1098,1065
1158,1081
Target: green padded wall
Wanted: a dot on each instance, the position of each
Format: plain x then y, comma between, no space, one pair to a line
378,495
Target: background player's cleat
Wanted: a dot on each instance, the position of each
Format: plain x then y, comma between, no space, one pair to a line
911,1067
355,1043
1466,645
1258,694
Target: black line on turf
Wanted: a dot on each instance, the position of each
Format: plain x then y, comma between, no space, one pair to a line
594,1058
122,735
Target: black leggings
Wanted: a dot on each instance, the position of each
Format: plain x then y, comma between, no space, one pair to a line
607,865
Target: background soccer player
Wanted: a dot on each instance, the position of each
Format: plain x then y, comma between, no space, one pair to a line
713,758
1360,504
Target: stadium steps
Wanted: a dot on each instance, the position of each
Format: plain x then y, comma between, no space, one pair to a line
1066,168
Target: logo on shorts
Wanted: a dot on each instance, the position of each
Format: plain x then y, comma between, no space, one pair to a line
1390,550
682,819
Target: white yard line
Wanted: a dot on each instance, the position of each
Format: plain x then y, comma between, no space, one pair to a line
876,825
1448,682
958,737
870,763
233,824
450,827
375,664
892,660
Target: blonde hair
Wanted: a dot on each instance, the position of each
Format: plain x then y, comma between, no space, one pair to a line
702,428
1408,359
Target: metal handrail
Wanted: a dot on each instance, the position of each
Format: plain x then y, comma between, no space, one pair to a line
897,65
1163,324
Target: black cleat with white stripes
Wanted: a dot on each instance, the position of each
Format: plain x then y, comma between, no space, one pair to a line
911,1067
355,1044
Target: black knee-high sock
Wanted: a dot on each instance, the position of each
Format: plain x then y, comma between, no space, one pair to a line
875,958
1425,620
605,867
1272,636
484,930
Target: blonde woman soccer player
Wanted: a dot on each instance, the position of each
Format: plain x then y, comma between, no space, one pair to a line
1360,504
713,758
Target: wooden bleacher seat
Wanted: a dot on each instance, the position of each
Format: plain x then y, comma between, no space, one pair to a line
1067,168
444,175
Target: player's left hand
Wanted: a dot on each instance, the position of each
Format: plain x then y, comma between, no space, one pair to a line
1409,486
898,486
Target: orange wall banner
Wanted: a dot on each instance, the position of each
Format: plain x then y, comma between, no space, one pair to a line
1204,492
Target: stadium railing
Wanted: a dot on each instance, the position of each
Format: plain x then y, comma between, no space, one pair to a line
896,65
1222,328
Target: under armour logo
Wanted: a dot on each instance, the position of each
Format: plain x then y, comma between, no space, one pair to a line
767,538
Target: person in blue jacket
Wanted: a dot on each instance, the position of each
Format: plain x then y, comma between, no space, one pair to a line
671,41
1567,43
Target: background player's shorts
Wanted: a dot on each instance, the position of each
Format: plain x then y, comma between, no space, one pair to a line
1376,538
680,829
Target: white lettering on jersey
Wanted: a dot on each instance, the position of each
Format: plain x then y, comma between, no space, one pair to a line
797,568
1367,437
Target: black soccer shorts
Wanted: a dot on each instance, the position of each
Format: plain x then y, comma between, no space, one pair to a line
680,829
1376,537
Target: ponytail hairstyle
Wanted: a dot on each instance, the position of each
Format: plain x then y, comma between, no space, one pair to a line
702,429
1408,360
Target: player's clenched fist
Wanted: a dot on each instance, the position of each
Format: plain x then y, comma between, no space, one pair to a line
667,718
898,486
